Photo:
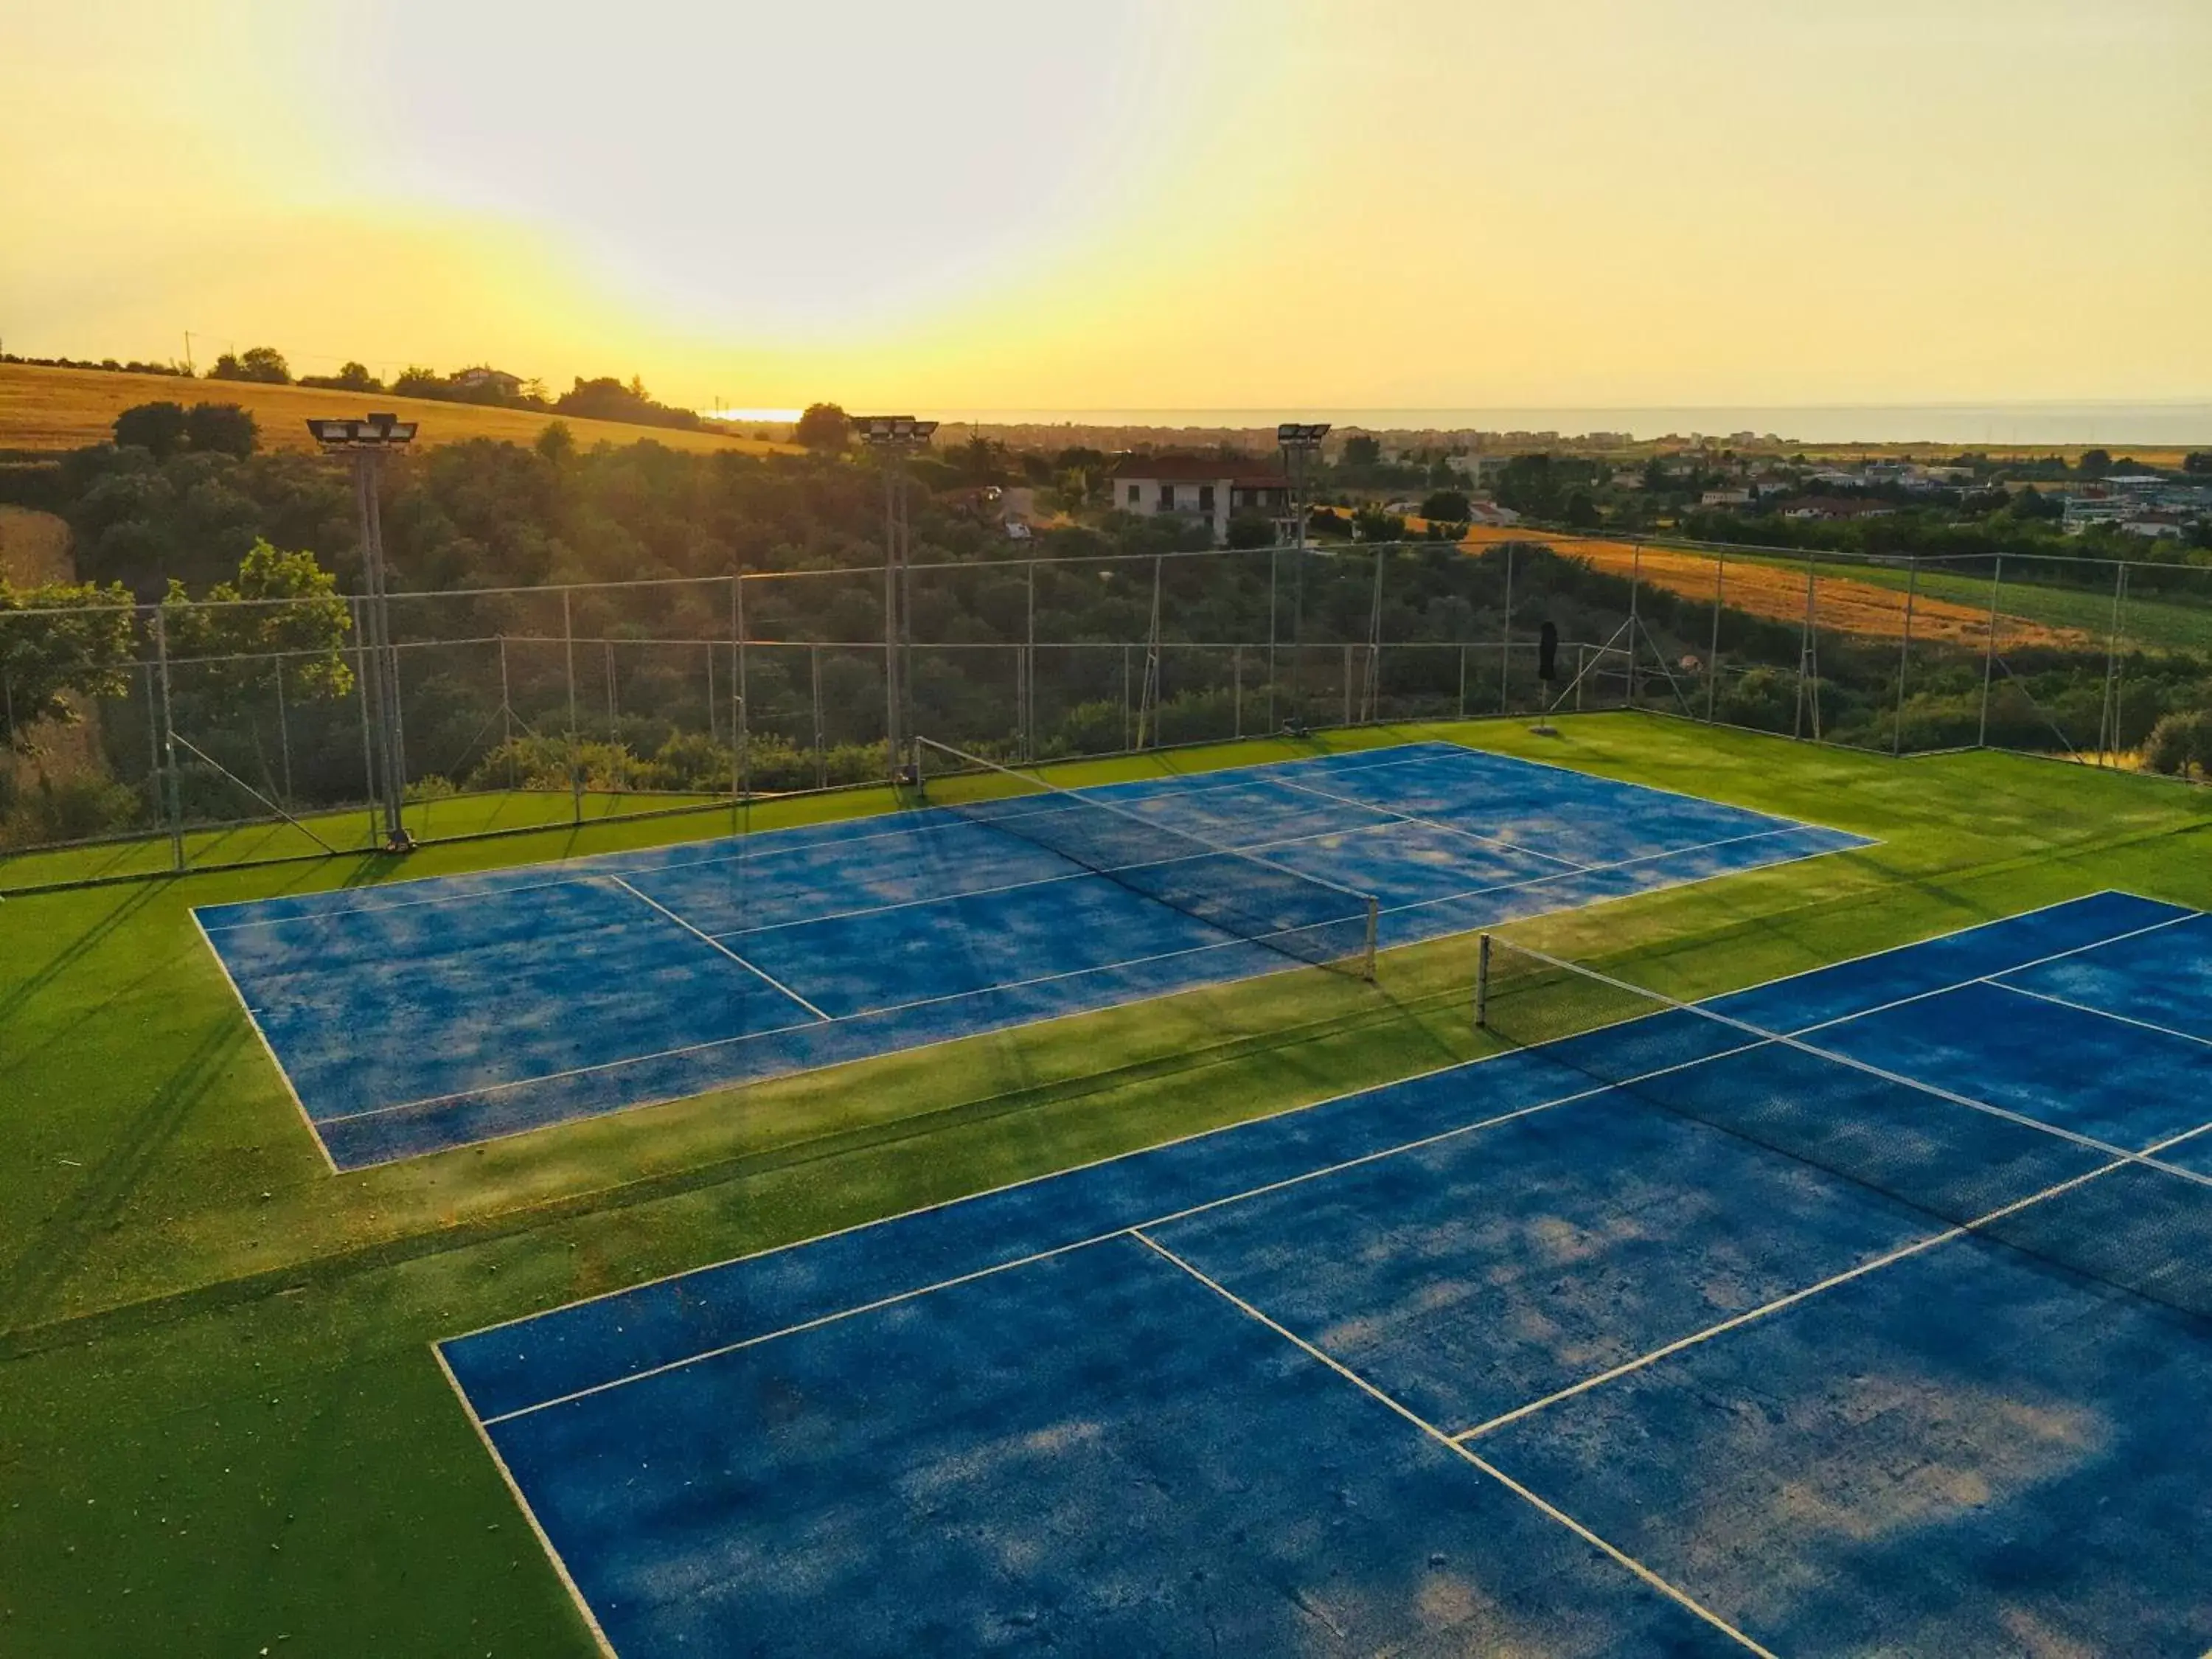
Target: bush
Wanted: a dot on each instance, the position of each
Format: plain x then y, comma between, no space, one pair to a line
2179,743
70,809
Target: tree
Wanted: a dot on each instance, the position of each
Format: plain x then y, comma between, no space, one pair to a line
350,377
158,429
822,426
263,363
417,381
309,624
556,443
2094,463
1251,529
1529,484
1372,523
225,429
80,646
2197,461
1444,504
1582,511
1362,449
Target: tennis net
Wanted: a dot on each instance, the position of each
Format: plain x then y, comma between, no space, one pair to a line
2123,1215
1238,892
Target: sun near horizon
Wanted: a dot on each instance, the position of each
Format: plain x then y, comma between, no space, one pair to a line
1132,205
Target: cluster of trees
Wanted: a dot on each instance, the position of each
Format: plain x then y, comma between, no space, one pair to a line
110,365
603,399
167,512
162,430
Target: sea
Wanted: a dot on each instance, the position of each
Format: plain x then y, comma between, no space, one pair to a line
2179,424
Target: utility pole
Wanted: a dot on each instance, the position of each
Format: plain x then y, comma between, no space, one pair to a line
366,443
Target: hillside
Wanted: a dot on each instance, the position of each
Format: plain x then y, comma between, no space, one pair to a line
59,409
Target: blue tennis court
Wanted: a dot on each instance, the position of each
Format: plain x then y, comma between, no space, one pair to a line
429,1014
1887,1330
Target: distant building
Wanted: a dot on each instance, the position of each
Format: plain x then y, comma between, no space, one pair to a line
498,380
1201,487
1724,498
1834,506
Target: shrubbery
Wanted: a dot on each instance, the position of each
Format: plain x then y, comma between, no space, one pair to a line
2181,744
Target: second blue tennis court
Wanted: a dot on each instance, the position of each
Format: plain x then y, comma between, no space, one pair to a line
424,1015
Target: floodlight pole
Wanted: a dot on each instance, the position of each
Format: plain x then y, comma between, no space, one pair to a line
1300,441
892,437
366,443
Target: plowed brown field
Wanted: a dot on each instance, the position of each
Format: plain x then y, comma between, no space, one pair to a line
1864,609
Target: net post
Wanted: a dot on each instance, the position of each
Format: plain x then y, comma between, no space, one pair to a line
1374,927
1482,982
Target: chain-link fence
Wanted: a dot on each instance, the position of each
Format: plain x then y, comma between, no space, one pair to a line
529,708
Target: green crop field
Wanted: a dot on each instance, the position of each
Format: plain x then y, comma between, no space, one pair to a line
221,1429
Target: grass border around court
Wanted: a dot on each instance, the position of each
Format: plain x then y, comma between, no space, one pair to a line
223,1344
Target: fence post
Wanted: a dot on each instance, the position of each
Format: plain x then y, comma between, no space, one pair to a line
1805,653
740,715
173,797
2119,657
2108,717
1635,617
575,757
1274,558
1126,744
1989,654
367,740
1462,682
1505,645
1028,667
154,728
1713,656
714,718
1236,689
507,717
1904,661
821,755
283,731
1347,685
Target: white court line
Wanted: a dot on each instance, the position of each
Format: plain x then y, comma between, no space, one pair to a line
1888,1259
1234,1198
1081,872
1231,942
760,973
838,1314
514,1486
1349,1094
1680,1597
1400,816
1795,1040
267,1047
2101,1013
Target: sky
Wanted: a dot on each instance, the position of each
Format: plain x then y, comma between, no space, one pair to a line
1080,204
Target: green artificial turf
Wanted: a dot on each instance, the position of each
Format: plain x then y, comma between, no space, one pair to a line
222,1429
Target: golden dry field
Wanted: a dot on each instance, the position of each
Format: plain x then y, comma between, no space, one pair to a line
35,547
58,409
1866,610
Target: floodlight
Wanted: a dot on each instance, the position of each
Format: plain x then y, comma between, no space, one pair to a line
373,432
1301,435
891,431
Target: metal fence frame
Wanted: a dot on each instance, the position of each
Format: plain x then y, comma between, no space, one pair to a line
1629,666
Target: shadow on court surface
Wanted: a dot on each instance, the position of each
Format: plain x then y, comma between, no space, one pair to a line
1504,1357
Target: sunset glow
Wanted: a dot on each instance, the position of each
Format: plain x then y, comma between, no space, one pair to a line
1131,205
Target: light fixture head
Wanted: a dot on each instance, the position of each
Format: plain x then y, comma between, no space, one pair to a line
370,432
